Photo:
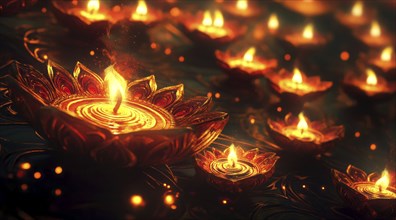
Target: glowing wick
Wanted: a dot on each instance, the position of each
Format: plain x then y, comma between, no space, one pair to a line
273,22
371,77
383,182
141,11
357,9
218,20
297,77
386,54
213,25
375,30
116,86
242,4
232,157
308,31
249,54
93,6
302,123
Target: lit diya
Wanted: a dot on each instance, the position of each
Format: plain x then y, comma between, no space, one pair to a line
307,37
358,15
141,13
368,87
309,7
370,194
209,28
273,23
113,120
243,8
234,169
385,60
93,18
297,86
375,36
299,135
247,66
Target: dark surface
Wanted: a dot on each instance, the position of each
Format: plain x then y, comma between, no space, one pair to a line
94,191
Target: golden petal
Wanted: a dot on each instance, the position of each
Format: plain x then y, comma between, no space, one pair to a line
142,88
62,80
89,81
168,96
356,174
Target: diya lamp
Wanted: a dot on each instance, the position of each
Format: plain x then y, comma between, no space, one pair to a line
209,28
234,169
242,8
247,66
302,136
372,195
143,14
309,7
110,119
358,15
375,36
91,19
385,60
306,38
295,87
368,87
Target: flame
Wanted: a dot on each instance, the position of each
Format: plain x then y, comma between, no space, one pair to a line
371,77
141,8
375,30
302,123
232,157
249,54
383,182
308,31
207,19
297,77
116,83
357,9
218,19
93,6
273,22
242,4
386,54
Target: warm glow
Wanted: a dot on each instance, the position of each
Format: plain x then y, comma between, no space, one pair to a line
232,157
169,200
302,123
297,77
308,31
242,4
371,77
26,166
386,54
93,6
357,9
383,182
207,19
136,200
116,83
273,22
218,19
375,30
249,54
58,170
141,7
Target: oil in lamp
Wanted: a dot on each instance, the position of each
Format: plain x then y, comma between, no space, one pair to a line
357,16
234,169
369,87
296,86
242,8
210,29
248,66
110,119
308,37
299,135
375,37
309,7
385,60
371,195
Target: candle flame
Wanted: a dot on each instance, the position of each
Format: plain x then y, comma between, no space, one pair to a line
249,54
273,22
232,156
116,83
308,32
357,9
297,77
386,54
242,4
371,77
375,30
141,8
302,123
207,19
93,6
383,182
218,19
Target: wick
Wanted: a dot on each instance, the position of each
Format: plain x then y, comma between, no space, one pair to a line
118,104
233,164
380,188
